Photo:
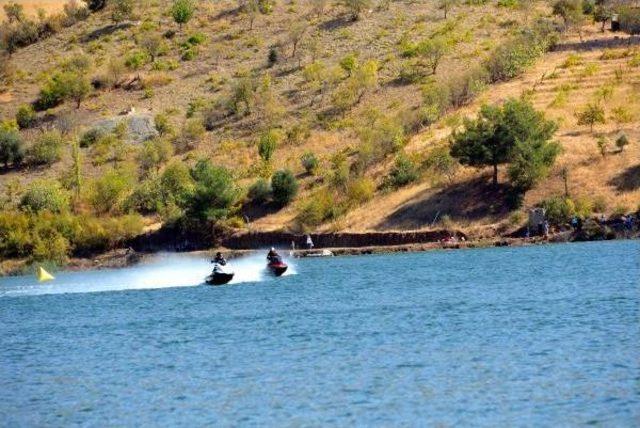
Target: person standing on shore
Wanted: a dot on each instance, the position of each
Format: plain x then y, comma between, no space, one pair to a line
309,243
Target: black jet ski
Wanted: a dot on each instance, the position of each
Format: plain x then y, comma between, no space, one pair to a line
276,266
220,275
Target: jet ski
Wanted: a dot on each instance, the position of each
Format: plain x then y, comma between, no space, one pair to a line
220,275
276,266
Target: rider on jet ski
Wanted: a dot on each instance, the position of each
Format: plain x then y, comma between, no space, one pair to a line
273,256
219,259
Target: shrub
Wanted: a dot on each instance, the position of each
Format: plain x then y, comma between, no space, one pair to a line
176,183
192,132
284,187
602,144
44,195
25,116
162,124
319,208
558,209
403,172
273,56
622,141
440,161
47,148
309,162
153,154
590,115
135,60
260,191
267,145
197,39
11,147
107,193
146,197
91,136
599,204
360,190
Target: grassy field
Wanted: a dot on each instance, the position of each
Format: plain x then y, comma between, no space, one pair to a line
188,81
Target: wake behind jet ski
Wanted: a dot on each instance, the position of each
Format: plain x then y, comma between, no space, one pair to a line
275,264
222,273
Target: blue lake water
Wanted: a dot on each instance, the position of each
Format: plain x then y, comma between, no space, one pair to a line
542,336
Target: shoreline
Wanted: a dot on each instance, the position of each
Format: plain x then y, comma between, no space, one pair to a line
122,258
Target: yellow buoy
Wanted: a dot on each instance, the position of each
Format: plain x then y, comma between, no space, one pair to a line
43,275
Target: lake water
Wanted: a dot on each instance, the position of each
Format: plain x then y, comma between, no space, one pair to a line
532,336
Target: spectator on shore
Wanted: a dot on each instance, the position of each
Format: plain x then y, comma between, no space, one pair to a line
309,243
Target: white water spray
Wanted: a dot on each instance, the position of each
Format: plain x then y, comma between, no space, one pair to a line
163,271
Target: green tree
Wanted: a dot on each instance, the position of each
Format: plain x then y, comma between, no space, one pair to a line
491,139
11,147
182,11
590,115
284,187
356,7
79,89
214,194
431,51
567,9
531,162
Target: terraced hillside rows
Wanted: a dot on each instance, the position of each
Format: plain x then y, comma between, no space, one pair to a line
604,70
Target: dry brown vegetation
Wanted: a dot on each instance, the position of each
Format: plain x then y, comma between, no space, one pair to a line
196,81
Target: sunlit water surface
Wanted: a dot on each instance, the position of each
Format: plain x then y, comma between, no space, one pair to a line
544,335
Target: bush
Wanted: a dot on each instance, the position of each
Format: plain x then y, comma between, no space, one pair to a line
153,154
146,197
214,194
182,11
622,141
284,187
309,162
360,190
135,60
319,208
558,209
260,191
11,147
403,172
91,136
197,39
44,195
47,149
192,132
162,124
267,145
108,193
25,116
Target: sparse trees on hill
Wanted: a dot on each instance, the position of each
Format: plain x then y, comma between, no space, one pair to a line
182,11
567,10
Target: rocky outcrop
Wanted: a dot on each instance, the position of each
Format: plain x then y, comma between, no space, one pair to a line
140,126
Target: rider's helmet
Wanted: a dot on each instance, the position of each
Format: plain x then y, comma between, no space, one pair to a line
218,254
273,249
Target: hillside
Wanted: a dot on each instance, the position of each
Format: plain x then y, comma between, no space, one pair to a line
310,79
